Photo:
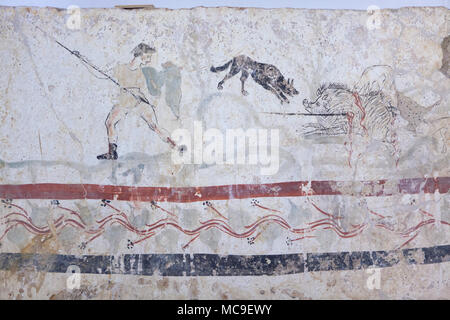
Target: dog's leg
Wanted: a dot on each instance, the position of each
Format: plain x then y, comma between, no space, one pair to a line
244,76
279,90
281,94
233,71
266,86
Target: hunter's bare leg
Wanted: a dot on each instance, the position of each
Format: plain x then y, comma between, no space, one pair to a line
116,114
147,114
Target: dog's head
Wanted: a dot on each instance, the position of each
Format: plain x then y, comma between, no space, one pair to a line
287,86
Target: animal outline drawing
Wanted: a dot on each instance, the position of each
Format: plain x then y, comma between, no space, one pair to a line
266,75
370,109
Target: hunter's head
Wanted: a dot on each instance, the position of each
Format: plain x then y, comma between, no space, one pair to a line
142,54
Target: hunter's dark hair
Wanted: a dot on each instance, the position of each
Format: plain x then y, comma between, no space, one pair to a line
142,48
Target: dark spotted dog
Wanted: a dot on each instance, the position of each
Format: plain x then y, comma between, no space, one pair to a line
264,74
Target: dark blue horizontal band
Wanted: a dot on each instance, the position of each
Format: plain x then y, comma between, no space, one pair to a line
222,265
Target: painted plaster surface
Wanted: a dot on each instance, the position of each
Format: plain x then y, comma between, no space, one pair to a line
116,166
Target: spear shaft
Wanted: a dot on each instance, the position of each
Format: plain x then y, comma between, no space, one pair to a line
307,114
84,60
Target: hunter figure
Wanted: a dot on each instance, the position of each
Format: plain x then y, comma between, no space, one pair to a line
132,77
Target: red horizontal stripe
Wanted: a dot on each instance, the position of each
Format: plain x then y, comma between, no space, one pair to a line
225,192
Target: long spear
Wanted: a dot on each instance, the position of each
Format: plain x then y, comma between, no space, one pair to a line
84,60
90,64
306,114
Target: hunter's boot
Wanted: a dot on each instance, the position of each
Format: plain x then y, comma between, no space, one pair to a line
111,154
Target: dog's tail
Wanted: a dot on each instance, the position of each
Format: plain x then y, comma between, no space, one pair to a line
221,68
